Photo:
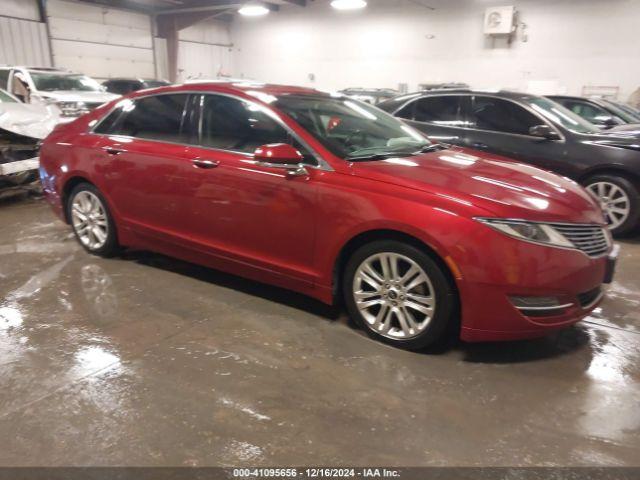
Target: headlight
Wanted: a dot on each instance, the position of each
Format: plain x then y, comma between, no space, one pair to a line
72,109
528,231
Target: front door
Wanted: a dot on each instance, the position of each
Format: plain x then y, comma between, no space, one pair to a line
252,213
502,127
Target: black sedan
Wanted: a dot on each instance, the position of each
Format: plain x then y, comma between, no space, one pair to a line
601,112
539,131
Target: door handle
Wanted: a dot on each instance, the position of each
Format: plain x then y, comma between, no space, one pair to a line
205,164
113,151
480,146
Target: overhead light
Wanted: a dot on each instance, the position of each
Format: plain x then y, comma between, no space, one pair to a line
253,10
348,4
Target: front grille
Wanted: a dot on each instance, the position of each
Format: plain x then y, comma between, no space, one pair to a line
591,239
589,297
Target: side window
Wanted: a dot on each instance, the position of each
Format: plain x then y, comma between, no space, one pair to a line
4,78
231,124
590,112
159,117
489,113
440,110
108,125
406,112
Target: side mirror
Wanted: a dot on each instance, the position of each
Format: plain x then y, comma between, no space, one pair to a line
278,154
609,122
544,131
281,155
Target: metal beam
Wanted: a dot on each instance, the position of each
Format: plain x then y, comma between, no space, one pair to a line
206,8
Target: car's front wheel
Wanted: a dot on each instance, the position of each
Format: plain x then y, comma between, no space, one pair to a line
91,220
620,200
398,294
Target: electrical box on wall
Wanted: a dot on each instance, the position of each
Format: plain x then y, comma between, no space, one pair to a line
499,20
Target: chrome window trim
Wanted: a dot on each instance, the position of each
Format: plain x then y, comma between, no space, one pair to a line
321,162
524,106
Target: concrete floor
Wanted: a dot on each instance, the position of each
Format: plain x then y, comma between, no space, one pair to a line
145,360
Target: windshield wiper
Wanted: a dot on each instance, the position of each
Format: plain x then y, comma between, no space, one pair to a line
434,147
371,157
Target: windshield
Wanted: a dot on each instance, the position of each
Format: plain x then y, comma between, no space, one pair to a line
349,128
621,112
6,98
561,115
48,82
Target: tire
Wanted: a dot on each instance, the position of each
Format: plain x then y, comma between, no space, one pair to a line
91,205
392,317
617,193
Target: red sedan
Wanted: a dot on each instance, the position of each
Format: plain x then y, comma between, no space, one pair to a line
336,199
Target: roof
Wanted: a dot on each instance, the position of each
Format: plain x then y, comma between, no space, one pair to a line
246,88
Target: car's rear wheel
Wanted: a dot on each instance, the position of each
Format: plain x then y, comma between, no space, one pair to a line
398,294
91,220
620,200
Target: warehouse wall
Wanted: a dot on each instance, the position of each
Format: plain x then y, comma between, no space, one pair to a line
570,44
23,38
204,51
101,42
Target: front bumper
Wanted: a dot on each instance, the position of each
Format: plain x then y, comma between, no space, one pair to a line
525,270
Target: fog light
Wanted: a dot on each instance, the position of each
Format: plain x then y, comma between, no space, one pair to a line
538,303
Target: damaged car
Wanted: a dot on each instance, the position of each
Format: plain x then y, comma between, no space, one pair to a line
22,127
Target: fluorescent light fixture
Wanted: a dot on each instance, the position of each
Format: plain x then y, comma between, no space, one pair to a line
348,4
253,10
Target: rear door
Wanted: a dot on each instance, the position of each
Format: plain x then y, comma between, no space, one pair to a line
501,126
441,117
145,167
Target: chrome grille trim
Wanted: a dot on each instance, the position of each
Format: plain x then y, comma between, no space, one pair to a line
590,239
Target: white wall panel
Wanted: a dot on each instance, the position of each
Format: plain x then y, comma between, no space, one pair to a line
26,9
103,61
96,14
204,51
198,60
99,41
572,43
23,42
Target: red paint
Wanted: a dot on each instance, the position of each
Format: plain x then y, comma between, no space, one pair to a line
254,220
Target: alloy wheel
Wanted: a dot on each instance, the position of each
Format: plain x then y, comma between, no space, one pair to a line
394,295
614,200
89,220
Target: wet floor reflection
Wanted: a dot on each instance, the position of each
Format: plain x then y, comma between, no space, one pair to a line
175,364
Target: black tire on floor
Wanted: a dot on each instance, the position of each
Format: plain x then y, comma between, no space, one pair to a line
111,246
442,290
632,191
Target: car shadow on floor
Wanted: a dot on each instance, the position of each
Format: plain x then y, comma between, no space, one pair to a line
555,345
233,282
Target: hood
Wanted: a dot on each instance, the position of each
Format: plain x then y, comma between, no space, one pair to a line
78,96
625,130
616,137
35,121
485,184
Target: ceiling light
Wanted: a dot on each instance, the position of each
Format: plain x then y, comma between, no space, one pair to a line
253,10
348,4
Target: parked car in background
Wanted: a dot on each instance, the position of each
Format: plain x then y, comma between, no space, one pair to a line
602,113
442,86
372,96
21,129
334,198
538,131
74,94
124,86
